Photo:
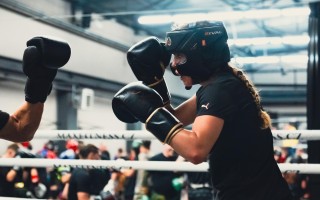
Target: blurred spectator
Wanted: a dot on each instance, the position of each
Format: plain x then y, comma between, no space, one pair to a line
7,186
86,182
161,182
144,155
27,145
277,153
199,186
58,178
283,155
120,154
71,150
20,181
105,155
131,174
297,182
48,150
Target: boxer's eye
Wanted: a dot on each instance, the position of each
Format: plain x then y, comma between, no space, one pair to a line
179,59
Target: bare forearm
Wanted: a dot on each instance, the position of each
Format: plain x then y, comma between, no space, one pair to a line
83,196
195,145
185,112
23,123
194,151
11,175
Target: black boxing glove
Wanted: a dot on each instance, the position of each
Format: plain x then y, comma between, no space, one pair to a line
145,104
148,60
41,60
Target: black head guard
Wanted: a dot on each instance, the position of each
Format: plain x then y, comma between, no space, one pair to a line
204,44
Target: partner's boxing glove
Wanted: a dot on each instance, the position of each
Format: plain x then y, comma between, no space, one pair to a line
145,104
148,60
41,60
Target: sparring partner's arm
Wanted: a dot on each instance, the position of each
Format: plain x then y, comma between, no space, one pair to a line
41,59
146,106
23,123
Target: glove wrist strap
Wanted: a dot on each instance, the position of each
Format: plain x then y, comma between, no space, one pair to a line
37,90
161,87
163,125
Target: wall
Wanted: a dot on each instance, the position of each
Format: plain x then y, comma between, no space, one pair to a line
88,57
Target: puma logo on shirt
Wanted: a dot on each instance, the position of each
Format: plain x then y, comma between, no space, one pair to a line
205,106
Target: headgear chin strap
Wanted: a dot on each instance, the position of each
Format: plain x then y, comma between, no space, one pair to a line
173,70
188,87
205,47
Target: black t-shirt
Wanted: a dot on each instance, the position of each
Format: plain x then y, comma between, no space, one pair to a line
6,188
199,177
90,181
99,178
79,182
130,183
241,161
161,181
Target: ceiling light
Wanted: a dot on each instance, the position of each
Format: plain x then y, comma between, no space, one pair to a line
184,18
295,12
155,19
296,59
286,40
262,14
225,16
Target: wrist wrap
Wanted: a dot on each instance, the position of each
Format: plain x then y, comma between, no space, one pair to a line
163,125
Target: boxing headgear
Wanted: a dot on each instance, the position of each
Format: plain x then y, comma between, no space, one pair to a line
205,46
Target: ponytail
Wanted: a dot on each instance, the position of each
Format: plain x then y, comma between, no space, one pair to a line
263,115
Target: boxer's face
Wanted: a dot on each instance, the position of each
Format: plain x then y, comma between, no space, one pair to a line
179,59
10,153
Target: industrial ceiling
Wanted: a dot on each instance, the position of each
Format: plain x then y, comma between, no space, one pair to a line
274,30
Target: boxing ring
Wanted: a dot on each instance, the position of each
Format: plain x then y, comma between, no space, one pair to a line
143,165
147,165
145,135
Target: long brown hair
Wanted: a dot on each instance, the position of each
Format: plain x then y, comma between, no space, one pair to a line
264,116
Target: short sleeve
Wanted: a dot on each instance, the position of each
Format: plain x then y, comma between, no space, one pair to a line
217,101
83,182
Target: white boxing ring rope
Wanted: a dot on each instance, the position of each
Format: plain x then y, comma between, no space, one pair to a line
147,165
141,165
145,135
